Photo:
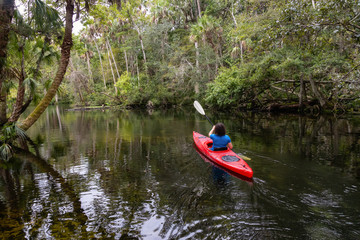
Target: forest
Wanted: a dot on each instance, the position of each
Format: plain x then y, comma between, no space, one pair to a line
282,75
264,55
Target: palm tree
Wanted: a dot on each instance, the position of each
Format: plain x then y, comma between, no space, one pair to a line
101,64
209,32
88,64
6,14
22,50
64,61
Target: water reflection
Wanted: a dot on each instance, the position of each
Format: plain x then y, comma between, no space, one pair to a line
220,177
332,141
135,175
29,197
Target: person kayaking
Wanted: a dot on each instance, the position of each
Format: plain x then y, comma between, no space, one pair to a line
221,141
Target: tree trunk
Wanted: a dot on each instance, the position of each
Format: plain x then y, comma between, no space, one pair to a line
112,71
88,64
126,61
241,51
102,68
36,75
141,42
113,58
316,92
313,3
64,61
19,101
137,72
232,14
162,48
20,93
196,87
220,55
125,54
6,14
302,95
207,60
140,38
76,81
199,7
3,118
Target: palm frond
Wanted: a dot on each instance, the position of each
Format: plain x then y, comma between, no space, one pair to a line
47,84
10,132
46,18
20,133
5,152
31,84
21,26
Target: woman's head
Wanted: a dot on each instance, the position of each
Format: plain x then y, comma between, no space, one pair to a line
220,129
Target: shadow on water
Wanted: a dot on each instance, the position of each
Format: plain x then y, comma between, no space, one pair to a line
136,175
219,169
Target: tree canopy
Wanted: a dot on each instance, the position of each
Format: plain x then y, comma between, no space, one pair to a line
268,55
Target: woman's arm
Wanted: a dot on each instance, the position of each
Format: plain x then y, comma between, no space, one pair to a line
212,130
229,145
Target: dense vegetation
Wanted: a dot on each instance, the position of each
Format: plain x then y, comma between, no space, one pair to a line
268,55
233,54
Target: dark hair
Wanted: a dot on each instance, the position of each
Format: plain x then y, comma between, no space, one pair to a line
220,129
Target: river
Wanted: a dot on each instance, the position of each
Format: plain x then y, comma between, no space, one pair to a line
136,175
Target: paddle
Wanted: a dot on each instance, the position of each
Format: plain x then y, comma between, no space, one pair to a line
200,109
243,157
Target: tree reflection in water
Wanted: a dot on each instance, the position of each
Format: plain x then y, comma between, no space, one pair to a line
28,201
133,175
328,140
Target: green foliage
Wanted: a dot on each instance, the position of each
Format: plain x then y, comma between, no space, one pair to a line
247,53
230,86
5,152
8,134
241,84
124,83
96,98
46,18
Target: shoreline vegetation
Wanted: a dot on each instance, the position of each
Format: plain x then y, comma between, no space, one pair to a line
267,56
83,108
281,109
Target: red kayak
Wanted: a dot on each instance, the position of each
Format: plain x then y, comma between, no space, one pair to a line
226,158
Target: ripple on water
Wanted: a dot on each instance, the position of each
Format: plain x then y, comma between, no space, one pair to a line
324,199
351,189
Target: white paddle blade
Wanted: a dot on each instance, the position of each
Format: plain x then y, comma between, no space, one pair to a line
199,108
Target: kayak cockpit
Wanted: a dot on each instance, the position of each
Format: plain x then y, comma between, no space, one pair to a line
209,144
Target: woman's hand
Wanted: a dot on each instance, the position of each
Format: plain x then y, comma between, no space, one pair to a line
212,130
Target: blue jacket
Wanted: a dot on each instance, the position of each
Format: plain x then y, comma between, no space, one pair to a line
219,141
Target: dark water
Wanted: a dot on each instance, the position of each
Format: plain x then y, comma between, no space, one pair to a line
136,175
